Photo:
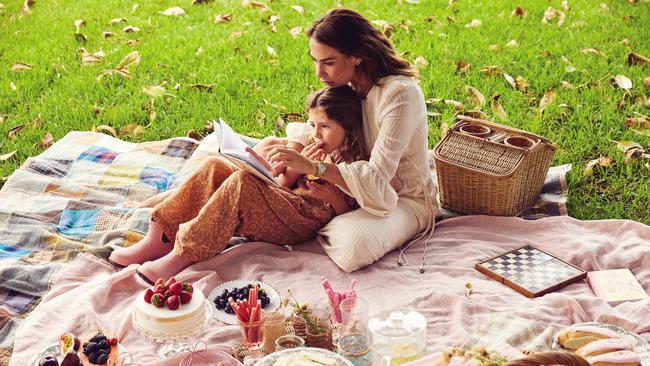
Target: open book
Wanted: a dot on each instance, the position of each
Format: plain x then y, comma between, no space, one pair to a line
233,148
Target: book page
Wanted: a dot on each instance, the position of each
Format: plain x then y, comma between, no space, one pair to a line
233,148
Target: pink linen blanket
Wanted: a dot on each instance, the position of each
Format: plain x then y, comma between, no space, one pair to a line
89,293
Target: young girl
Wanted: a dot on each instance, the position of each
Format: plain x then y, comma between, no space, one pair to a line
220,201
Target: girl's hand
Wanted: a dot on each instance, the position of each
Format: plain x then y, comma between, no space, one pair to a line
264,162
282,158
313,151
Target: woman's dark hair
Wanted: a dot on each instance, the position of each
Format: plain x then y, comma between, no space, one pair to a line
343,105
550,358
352,34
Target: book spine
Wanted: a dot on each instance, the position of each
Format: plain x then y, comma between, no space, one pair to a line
595,286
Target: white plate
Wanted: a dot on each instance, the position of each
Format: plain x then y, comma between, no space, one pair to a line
270,359
221,315
642,348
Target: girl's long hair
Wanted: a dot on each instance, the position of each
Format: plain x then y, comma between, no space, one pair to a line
352,34
343,105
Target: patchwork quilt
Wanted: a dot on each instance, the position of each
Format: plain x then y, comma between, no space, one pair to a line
69,200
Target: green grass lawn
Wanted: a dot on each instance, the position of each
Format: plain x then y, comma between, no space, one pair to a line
251,76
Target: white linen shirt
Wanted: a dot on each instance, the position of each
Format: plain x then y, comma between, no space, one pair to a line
396,134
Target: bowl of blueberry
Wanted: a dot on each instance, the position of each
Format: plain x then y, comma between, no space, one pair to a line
239,290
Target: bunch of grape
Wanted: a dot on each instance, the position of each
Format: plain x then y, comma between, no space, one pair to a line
221,301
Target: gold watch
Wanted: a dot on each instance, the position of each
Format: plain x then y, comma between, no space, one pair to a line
320,169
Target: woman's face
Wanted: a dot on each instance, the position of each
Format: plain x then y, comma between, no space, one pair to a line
326,130
332,67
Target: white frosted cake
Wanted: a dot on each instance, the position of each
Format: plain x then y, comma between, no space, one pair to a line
162,321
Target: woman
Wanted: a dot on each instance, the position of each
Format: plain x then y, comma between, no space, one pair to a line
219,201
393,188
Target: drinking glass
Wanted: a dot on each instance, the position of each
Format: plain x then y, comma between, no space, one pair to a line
354,341
253,335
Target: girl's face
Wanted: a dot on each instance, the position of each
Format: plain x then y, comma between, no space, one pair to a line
332,67
326,130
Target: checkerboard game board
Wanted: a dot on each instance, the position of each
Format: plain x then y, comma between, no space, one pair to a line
531,271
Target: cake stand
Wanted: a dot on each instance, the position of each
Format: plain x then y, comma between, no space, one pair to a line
173,344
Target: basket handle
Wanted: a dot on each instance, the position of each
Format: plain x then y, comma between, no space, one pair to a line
506,128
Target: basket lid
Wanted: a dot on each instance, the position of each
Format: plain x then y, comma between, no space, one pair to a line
478,154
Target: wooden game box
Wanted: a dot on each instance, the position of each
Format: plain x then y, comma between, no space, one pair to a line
531,271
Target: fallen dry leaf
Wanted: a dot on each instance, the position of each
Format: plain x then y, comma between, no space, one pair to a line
492,70
260,118
512,43
646,82
522,84
593,51
474,23
27,7
451,20
497,108
622,82
15,131
550,13
199,2
510,80
194,135
133,130
47,140
493,47
298,8
89,59
201,87
21,66
519,12
130,29
222,18
132,42
154,90
108,34
8,155
385,27
630,149
117,20
456,104
105,128
78,23
421,62
565,84
12,86
462,67
565,5
295,31
637,59
279,124
478,100
475,113
131,59
548,97
173,11
199,51
255,4
638,122
603,161
271,51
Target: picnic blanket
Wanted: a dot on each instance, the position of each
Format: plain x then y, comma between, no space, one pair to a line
68,200
493,312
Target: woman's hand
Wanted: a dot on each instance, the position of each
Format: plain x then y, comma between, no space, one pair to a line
282,158
331,194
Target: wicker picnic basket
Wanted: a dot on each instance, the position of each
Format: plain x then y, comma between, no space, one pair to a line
491,169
